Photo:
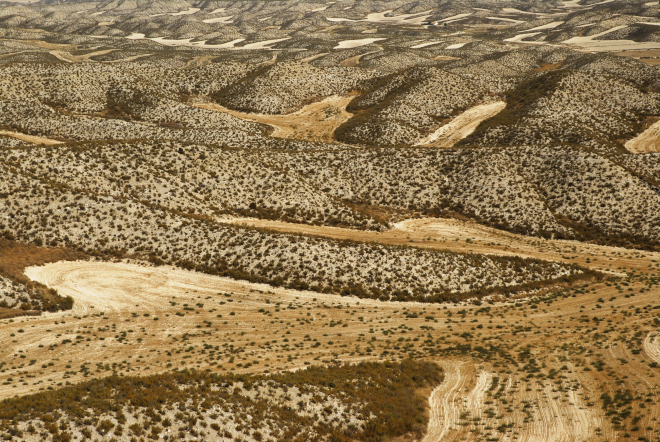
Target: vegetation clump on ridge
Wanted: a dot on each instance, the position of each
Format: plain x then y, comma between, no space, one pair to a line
364,402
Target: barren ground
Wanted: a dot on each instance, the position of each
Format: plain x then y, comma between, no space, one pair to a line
463,125
647,141
30,138
314,122
536,370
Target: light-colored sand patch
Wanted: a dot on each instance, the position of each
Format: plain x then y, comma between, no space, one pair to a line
463,405
587,39
423,45
518,11
403,19
445,402
463,125
172,42
348,44
223,20
651,3
229,44
588,42
520,37
456,46
552,25
380,17
187,12
263,44
105,23
455,17
203,44
30,138
118,287
652,346
316,121
506,19
313,57
354,61
94,14
128,59
322,8
647,141
218,10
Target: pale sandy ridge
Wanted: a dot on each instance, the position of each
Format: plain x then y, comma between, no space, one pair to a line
30,138
463,125
647,141
349,44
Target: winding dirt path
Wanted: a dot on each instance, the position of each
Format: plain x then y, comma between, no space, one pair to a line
314,122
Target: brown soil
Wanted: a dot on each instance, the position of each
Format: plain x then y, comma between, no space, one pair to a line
579,358
314,122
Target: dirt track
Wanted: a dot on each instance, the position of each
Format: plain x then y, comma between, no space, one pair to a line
315,122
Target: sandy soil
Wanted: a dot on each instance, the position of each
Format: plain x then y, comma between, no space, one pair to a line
463,125
652,346
67,56
30,138
354,61
317,121
506,19
456,46
223,20
647,141
520,37
588,42
113,325
453,234
445,401
380,17
423,45
552,25
202,44
263,44
348,44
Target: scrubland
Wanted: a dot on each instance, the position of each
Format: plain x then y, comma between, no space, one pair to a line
276,221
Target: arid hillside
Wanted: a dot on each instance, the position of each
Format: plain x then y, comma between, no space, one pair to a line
335,221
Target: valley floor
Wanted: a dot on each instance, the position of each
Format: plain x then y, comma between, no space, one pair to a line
536,370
